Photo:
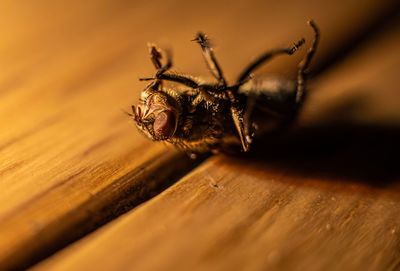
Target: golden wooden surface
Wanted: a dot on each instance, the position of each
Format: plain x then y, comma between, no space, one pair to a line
69,158
275,211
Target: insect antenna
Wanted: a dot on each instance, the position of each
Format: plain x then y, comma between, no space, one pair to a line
133,112
136,115
139,114
127,113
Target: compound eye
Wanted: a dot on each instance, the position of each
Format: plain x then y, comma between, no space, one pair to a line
164,125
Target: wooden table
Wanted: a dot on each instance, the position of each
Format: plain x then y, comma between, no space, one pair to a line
81,189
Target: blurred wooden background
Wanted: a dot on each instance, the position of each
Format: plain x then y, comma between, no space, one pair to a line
324,196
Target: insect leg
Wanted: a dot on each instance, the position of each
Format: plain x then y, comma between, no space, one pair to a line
167,65
202,91
303,65
210,59
236,110
187,126
237,114
155,56
174,78
238,120
267,56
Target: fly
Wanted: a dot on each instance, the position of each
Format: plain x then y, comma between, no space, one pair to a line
198,116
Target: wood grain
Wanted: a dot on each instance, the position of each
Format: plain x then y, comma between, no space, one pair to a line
310,203
70,160
231,215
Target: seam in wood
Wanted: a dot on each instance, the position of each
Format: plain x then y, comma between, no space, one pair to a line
128,191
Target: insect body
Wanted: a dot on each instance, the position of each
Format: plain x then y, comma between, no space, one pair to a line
200,117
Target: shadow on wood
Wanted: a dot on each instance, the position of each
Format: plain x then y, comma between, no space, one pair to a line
351,152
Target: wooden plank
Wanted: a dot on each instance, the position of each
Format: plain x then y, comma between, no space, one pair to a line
330,204
69,156
67,70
